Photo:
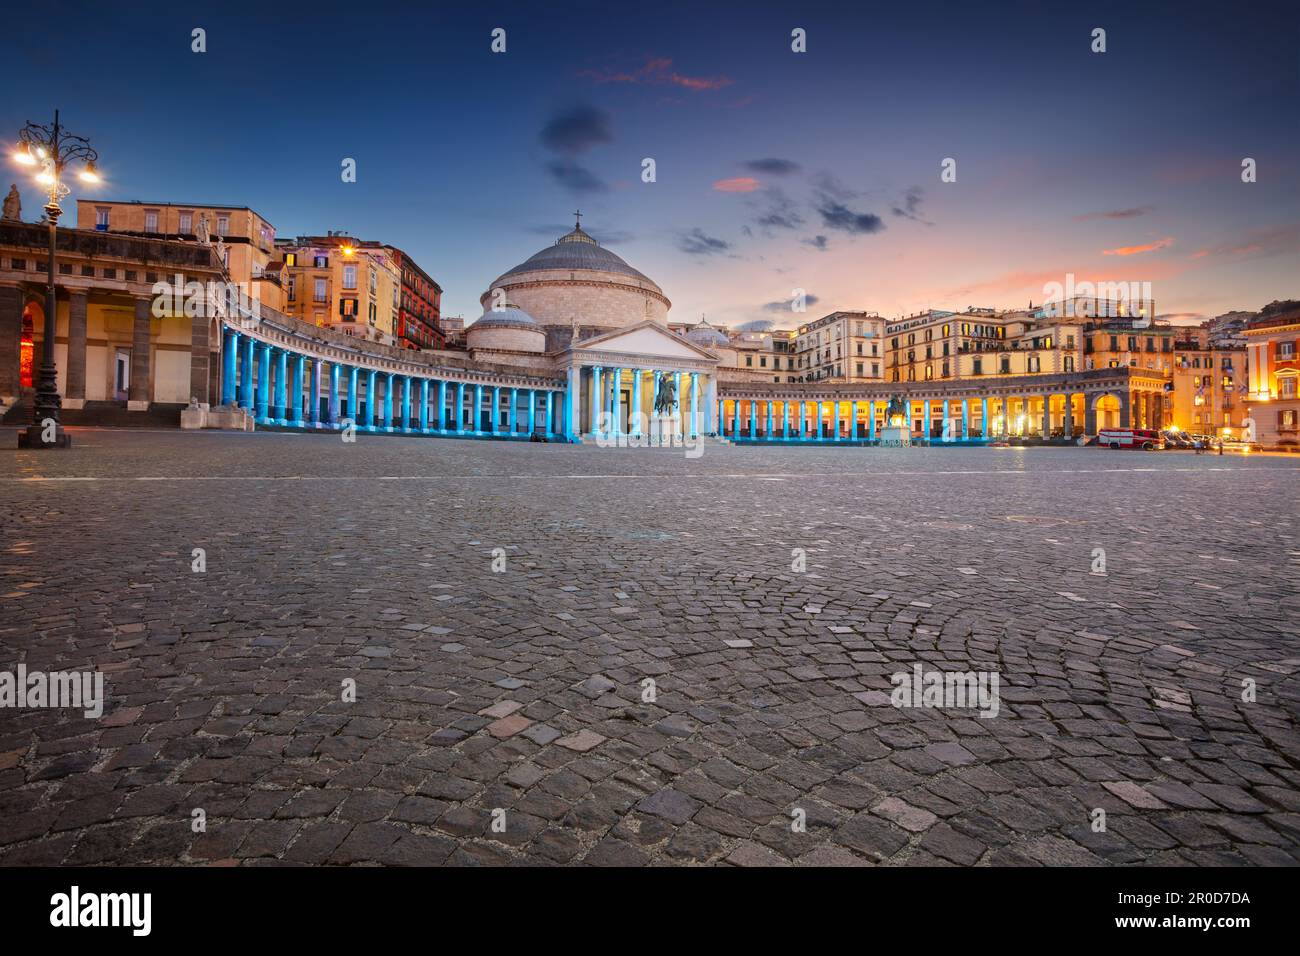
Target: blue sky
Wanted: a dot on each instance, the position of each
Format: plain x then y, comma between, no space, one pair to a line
775,170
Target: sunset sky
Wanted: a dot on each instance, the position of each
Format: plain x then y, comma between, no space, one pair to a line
775,170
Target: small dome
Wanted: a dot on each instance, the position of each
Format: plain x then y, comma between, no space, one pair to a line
510,316
707,336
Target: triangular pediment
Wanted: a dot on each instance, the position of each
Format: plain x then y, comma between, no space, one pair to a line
647,338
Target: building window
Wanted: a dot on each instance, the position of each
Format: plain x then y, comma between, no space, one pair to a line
1286,350
1286,387
223,225
349,277
1006,365
318,294
151,220
187,223
321,262
291,258
1069,363
292,288
1033,363
101,218
978,367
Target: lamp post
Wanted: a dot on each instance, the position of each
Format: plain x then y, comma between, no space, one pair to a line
51,148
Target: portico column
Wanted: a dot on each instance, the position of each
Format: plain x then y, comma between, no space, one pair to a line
597,400
281,385
984,418
735,419
263,382
574,423
532,413
229,364
1047,417
615,376
767,431
388,402
332,409
853,426
372,390
424,404
511,416
634,417
354,407
677,401
442,405
925,419
965,418
478,409
295,391
1067,424
459,412
246,374
406,403
695,406
871,420
496,409
785,420
753,418
547,431
947,421
711,406
140,391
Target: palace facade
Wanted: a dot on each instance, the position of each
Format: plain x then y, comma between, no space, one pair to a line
574,344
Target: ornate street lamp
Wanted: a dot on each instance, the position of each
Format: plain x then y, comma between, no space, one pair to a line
51,148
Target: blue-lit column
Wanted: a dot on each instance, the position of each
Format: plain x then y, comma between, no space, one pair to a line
549,430
424,404
460,407
511,416
496,409
836,433
597,399
947,421
388,402
532,412
332,408
871,420
615,377
372,389
925,419
677,401
313,394
984,418
721,418
354,407
853,428
573,404
295,412
965,418
440,423
735,418
263,383
634,414
767,430
785,420
753,418
246,376
695,404
406,403
229,364
281,386
478,410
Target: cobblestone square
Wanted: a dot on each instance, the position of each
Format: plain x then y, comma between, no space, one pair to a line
568,654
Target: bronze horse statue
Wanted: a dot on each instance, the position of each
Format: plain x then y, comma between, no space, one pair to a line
667,397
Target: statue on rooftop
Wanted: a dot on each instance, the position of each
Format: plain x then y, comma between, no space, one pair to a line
13,208
201,232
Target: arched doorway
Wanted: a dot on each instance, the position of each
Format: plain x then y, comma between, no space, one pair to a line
1106,410
33,319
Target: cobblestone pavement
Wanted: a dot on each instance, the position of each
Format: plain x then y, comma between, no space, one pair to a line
523,690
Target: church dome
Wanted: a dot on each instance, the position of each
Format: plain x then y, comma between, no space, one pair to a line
576,250
509,329
509,317
707,336
577,280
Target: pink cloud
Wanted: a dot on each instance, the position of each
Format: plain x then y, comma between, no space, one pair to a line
1135,250
738,184
658,71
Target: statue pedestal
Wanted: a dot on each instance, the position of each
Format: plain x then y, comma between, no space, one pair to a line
664,430
895,436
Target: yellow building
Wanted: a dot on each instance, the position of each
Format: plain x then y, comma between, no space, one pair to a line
243,240
335,281
1273,390
936,346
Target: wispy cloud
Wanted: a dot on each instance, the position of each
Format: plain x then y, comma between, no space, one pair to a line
785,305
737,184
909,206
776,211
570,134
1137,250
1115,214
771,166
1279,240
832,203
819,243
657,71
697,243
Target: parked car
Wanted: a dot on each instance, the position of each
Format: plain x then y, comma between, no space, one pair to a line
1177,440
